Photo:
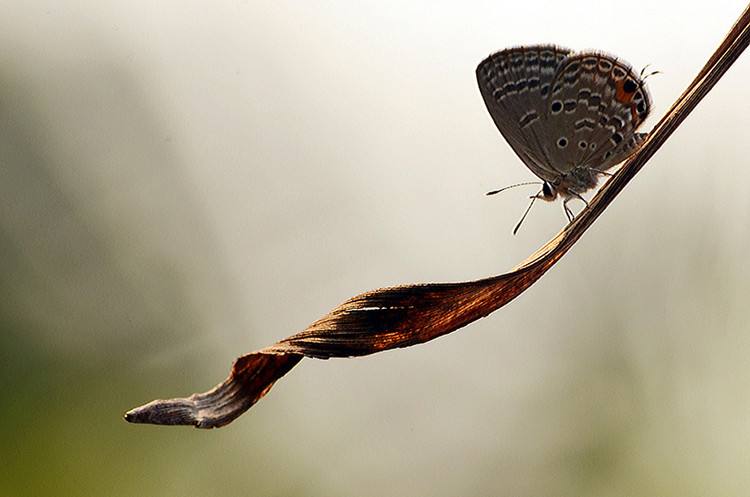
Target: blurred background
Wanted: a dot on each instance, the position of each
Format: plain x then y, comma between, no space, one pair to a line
181,183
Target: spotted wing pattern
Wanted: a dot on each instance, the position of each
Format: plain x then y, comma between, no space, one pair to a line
515,84
596,104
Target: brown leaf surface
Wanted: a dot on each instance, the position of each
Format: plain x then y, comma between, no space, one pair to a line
411,314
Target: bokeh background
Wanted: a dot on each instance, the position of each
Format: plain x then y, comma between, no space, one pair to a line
183,182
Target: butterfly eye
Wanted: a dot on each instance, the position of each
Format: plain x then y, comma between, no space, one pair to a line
547,191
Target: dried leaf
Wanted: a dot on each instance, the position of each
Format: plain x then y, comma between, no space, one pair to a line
411,314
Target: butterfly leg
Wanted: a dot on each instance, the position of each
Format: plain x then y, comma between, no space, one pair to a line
580,198
568,212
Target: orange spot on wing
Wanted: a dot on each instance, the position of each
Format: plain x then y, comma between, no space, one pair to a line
621,95
627,99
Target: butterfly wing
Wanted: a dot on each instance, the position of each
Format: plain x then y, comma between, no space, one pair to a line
595,106
515,84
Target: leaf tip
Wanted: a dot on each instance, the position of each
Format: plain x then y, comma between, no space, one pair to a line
164,412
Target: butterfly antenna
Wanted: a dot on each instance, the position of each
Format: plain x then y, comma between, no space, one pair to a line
533,199
493,192
649,74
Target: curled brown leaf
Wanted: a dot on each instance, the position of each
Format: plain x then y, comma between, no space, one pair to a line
407,315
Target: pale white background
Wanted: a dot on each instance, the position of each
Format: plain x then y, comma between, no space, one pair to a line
183,182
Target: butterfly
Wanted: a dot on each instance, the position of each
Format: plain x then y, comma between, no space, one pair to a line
568,116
